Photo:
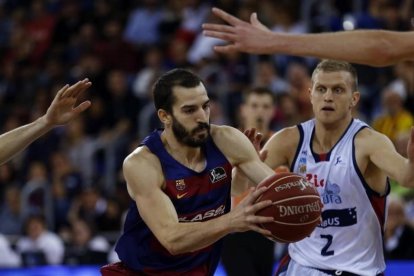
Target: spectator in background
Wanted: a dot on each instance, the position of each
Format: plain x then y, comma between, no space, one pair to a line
266,75
85,247
8,257
194,14
88,206
142,26
8,177
39,246
399,235
66,184
395,120
10,212
250,253
288,111
39,30
36,195
80,148
110,220
404,72
299,81
114,51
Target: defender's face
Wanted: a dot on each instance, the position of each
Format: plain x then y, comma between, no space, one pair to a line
258,110
332,96
191,115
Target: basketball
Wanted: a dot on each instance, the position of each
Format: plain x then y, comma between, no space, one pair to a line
296,207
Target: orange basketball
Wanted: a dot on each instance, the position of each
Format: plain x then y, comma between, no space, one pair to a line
296,207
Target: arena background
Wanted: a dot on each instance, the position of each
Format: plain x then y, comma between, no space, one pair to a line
70,180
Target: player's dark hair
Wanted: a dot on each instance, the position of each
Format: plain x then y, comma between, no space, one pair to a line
163,87
258,91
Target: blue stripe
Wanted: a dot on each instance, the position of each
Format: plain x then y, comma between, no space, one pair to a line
301,137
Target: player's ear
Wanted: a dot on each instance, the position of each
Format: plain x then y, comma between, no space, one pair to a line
355,98
164,116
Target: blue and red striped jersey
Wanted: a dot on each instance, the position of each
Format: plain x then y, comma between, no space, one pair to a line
197,196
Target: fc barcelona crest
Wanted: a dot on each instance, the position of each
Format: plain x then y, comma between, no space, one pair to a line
180,184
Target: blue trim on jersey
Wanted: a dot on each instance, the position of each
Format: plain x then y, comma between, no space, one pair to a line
301,137
316,156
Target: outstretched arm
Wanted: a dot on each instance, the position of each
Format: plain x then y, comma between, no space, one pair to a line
370,47
382,153
61,110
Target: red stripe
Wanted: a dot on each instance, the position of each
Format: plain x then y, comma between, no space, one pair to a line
378,204
284,262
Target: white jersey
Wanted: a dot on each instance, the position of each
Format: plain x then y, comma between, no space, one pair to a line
350,237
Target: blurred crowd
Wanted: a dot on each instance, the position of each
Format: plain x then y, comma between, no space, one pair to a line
64,198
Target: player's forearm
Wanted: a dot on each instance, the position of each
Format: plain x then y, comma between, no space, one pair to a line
193,236
375,48
408,175
16,140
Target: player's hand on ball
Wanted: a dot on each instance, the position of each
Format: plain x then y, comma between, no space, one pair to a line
242,218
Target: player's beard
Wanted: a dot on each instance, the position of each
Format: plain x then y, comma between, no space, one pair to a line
190,138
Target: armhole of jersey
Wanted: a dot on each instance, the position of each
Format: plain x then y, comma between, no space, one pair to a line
368,189
301,137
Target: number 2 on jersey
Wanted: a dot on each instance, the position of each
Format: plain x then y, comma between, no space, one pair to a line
324,251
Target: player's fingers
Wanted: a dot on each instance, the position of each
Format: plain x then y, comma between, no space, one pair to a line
232,20
218,28
254,193
258,137
221,35
85,84
251,134
60,93
79,87
81,107
262,219
225,49
256,23
69,91
260,205
261,230
247,132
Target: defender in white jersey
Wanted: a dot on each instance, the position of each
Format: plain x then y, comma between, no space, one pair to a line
349,163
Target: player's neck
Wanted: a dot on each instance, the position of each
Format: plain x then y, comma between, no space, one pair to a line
189,156
326,136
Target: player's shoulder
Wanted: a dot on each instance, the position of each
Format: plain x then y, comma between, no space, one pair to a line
285,138
368,133
222,130
142,159
368,138
222,134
